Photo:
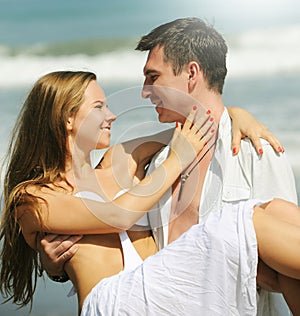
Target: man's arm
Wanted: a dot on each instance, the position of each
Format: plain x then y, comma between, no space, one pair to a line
55,251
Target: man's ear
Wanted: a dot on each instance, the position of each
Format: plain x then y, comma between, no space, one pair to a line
194,73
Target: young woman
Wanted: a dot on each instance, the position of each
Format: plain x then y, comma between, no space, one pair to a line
63,119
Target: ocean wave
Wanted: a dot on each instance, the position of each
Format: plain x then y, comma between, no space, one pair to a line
265,52
88,47
117,66
254,53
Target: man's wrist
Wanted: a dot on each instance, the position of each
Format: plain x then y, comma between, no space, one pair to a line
59,278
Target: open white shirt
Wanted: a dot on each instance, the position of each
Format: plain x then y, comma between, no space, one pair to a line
230,179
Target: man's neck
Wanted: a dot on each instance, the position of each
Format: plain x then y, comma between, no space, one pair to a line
212,101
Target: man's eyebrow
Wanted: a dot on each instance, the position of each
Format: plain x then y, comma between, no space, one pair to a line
150,71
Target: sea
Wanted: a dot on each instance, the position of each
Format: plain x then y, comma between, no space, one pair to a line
37,37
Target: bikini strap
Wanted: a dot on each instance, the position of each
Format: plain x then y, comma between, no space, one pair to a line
131,257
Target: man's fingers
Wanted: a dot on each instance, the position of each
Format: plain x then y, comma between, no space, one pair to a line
49,237
44,240
55,245
66,255
66,245
72,238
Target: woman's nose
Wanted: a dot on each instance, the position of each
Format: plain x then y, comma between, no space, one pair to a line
110,116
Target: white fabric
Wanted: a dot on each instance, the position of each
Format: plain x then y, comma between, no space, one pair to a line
209,270
130,256
143,221
232,179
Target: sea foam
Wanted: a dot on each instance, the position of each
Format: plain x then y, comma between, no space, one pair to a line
260,52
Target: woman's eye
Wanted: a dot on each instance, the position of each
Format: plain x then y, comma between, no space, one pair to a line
99,106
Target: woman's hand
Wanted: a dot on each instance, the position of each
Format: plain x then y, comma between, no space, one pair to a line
245,125
190,139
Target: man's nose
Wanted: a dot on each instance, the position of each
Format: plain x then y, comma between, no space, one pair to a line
146,91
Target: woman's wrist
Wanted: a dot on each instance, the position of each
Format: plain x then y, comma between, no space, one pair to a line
176,162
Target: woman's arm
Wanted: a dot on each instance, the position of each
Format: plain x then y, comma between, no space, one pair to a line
138,152
130,158
140,149
65,214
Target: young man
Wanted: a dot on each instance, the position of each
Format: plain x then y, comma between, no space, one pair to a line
189,56
186,66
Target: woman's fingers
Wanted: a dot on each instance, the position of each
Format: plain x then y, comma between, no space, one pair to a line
200,130
190,140
200,125
190,119
204,127
272,139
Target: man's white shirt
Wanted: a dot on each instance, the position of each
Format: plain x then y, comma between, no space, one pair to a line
230,179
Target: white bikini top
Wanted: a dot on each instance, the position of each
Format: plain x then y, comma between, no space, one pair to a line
131,257
143,221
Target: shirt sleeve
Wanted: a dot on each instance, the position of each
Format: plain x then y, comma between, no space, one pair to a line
272,175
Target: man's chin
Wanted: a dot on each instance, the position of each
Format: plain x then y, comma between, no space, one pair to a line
161,119
165,119
162,114
168,116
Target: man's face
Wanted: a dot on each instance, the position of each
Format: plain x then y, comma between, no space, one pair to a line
168,92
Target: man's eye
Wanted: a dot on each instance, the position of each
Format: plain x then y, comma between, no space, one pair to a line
153,78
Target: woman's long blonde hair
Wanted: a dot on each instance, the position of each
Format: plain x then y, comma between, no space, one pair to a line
36,156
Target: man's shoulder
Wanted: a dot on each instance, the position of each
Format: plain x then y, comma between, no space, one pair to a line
248,147
269,157
248,155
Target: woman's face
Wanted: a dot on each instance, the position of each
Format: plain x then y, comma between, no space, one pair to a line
91,124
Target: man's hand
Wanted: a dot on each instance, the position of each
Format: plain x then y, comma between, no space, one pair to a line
55,250
245,125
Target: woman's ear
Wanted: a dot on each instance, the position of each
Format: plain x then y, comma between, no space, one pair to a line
70,123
